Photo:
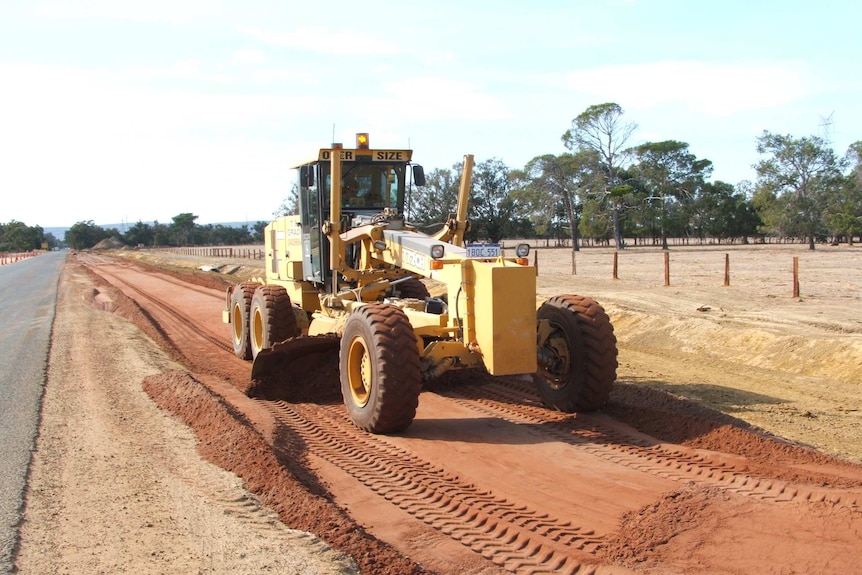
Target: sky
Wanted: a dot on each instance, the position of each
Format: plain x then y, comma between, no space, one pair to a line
119,111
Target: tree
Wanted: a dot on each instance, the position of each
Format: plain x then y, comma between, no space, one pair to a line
600,128
724,212
493,208
793,183
19,237
670,173
431,204
221,235
183,228
556,188
161,234
843,212
290,204
140,234
257,231
85,235
51,240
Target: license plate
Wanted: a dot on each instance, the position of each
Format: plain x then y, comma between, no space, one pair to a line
483,251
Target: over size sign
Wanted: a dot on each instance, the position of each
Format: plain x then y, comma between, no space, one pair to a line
375,155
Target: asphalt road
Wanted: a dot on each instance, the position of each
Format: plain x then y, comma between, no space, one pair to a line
28,295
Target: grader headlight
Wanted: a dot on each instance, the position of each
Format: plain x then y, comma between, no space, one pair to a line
438,251
522,251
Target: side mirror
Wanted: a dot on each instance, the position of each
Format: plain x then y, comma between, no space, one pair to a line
306,176
418,175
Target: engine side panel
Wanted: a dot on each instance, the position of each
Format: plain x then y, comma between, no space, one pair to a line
505,316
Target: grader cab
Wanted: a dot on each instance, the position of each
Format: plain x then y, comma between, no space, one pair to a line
344,274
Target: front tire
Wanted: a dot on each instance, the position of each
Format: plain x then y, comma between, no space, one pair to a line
271,318
578,360
379,369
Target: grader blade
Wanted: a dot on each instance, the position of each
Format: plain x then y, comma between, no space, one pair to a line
299,370
289,354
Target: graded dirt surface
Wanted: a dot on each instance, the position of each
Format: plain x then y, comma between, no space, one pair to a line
731,443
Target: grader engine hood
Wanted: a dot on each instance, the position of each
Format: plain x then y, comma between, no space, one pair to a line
492,301
504,314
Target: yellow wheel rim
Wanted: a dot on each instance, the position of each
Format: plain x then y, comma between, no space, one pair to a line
237,323
257,330
359,371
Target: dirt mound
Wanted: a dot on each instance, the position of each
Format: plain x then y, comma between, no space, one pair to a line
764,343
189,274
684,528
224,271
111,243
673,419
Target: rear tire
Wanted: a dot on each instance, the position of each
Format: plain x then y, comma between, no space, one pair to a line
379,369
240,307
578,362
271,318
412,288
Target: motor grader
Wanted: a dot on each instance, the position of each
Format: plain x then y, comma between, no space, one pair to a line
344,274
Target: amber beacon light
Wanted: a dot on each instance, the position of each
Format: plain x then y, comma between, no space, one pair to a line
362,141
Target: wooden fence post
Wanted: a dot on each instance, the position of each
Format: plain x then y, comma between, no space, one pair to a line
666,269
616,265
795,276
726,270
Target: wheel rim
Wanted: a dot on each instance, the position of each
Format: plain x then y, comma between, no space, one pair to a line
257,329
557,346
359,372
237,323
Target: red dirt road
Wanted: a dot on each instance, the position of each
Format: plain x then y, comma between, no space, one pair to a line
487,480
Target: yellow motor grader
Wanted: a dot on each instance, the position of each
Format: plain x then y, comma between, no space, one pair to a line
345,274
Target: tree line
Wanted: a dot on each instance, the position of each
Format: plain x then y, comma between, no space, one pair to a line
17,236
603,191
182,231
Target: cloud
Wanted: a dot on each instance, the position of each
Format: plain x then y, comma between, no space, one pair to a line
437,98
92,142
192,70
326,41
707,88
150,11
243,57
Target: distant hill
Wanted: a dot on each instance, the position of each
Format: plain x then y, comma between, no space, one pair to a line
58,233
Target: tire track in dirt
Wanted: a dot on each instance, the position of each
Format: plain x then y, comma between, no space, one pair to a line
511,400
183,323
511,535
